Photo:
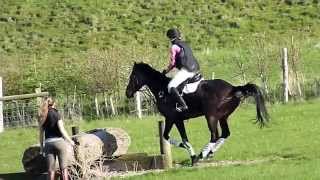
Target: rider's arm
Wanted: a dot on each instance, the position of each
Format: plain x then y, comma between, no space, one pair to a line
64,132
174,50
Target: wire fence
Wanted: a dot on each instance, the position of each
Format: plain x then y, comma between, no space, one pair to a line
76,107
309,90
24,113
20,113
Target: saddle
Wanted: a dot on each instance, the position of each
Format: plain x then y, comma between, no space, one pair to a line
190,85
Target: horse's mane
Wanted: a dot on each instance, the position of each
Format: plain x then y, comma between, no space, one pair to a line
151,73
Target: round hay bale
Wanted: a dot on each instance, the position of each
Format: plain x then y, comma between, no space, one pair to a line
90,146
35,163
97,142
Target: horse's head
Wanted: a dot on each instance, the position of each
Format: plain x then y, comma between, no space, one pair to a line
136,81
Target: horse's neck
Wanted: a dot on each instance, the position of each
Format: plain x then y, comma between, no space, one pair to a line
156,89
157,86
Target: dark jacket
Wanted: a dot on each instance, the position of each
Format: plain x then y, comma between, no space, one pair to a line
185,58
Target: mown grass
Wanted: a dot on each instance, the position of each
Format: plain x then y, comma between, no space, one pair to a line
36,35
286,169
289,145
66,26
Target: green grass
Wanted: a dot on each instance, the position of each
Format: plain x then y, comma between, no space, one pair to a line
36,33
286,169
289,145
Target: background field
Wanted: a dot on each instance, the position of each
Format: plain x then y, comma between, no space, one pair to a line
86,48
100,39
288,147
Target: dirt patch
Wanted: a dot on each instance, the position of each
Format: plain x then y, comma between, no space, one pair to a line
202,164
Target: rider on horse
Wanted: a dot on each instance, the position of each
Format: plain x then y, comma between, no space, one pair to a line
181,57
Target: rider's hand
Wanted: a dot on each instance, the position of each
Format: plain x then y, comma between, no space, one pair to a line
72,143
164,72
42,152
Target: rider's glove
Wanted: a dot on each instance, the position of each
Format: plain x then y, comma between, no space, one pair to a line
164,72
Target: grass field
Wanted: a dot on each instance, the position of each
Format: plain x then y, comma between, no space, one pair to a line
73,36
287,149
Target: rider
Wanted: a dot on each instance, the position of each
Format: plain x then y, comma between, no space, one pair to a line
181,57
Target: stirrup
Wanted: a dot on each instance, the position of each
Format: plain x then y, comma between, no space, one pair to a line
181,108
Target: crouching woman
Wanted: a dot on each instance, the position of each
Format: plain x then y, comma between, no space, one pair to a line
54,138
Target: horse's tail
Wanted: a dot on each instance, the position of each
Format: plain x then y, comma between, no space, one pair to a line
254,91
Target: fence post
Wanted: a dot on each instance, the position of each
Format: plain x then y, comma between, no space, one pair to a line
96,105
1,107
75,130
39,101
285,71
106,103
112,106
138,104
165,148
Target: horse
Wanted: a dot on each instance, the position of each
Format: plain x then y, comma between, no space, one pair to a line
215,99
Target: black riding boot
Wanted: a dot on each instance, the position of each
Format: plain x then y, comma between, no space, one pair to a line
182,104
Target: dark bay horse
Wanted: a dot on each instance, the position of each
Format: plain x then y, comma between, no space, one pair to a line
215,99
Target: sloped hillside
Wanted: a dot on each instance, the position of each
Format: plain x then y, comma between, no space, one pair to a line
34,33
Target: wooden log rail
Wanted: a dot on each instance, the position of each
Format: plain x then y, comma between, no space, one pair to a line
24,96
37,95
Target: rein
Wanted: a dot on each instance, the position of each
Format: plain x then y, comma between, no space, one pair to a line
147,94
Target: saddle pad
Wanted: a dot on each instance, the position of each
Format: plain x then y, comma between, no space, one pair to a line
191,87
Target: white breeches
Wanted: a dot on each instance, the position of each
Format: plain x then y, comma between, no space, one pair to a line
181,76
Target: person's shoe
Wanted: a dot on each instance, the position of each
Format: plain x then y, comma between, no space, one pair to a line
181,105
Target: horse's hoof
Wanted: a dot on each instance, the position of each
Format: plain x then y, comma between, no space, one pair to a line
194,160
210,155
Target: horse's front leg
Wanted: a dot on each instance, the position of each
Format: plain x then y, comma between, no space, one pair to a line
185,142
167,128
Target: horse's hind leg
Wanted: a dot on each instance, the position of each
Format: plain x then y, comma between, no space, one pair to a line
225,133
212,125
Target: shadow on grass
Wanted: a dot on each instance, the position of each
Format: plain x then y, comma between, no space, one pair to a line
22,176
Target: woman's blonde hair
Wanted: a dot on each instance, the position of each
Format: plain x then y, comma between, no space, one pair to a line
44,108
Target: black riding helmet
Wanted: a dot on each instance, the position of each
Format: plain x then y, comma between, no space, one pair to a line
173,34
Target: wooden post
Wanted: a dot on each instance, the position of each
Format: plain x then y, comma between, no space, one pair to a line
1,107
317,87
165,148
97,104
138,105
74,100
39,101
285,71
38,91
112,106
75,130
38,95
23,96
161,139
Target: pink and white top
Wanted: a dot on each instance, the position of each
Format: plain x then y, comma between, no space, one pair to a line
174,50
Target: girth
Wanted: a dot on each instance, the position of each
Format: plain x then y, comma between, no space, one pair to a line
193,79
